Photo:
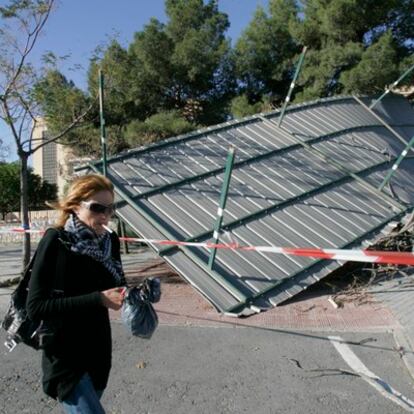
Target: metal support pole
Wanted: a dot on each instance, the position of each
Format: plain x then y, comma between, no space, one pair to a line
223,200
233,290
102,121
121,230
396,164
388,90
292,85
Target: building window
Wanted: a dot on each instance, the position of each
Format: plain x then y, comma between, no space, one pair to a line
49,166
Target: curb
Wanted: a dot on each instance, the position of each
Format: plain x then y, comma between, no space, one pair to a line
405,348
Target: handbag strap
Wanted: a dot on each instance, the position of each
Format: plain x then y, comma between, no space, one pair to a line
23,285
62,256
20,293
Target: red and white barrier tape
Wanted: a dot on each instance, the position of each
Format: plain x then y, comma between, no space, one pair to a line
349,255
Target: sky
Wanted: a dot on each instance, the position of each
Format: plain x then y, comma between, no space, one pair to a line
76,27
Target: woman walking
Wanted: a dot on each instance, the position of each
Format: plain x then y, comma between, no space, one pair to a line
76,366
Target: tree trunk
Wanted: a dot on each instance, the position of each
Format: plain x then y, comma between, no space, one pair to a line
24,208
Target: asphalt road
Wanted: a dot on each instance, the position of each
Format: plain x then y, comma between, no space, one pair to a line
224,370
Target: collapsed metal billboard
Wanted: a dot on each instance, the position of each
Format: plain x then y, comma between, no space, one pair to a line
313,182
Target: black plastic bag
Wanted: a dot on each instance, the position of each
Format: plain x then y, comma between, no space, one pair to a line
153,287
137,312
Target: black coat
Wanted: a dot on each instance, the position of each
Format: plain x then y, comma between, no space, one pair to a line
84,343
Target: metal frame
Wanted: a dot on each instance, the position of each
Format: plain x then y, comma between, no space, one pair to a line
238,164
271,209
241,296
268,290
167,235
393,131
208,130
369,186
173,141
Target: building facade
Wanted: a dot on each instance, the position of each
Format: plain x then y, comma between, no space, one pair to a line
54,161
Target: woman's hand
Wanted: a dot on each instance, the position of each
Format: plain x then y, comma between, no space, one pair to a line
112,298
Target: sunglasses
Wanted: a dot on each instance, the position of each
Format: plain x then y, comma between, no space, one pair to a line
99,208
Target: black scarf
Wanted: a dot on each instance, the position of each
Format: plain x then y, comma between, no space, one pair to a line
99,247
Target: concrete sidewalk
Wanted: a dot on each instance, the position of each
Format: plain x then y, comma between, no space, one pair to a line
398,295
182,305
381,310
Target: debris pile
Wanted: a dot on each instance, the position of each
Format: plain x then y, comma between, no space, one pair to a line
357,278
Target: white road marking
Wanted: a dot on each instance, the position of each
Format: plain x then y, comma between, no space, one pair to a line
359,368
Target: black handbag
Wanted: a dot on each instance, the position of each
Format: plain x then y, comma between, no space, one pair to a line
19,327
137,312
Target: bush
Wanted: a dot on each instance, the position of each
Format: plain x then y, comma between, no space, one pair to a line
241,107
156,128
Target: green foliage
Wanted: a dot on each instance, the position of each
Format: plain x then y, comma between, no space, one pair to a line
87,141
115,65
181,70
342,21
355,45
186,60
157,127
377,67
62,103
240,106
182,73
15,7
151,69
402,26
320,73
9,188
39,191
404,65
265,51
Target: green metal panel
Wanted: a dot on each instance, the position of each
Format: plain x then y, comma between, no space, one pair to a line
241,295
255,159
340,167
393,131
271,209
217,128
269,289
167,235
191,136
